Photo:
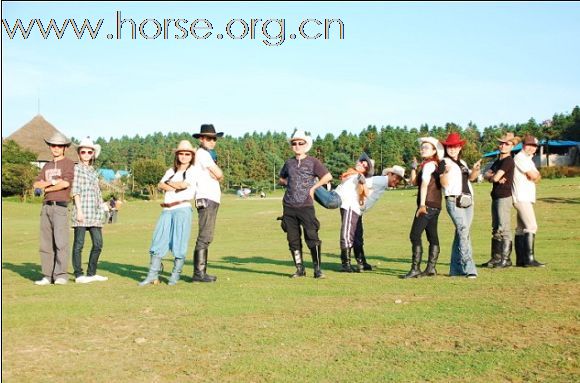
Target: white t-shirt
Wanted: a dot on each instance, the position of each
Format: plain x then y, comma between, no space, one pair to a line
207,186
377,186
191,177
523,190
454,177
348,193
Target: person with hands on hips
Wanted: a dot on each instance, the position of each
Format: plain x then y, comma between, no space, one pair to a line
428,204
456,181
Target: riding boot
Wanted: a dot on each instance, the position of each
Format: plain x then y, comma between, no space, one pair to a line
154,269
506,252
176,273
430,270
359,268
316,261
200,267
417,253
521,257
495,254
529,239
297,258
345,261
359,253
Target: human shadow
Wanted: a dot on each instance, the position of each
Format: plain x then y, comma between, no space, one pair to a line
560,200
26,270
138,273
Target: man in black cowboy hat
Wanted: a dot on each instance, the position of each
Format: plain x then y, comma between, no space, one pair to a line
207,200
55,179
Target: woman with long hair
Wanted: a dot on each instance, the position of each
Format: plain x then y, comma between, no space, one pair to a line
174,225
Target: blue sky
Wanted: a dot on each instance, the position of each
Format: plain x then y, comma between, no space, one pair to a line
398,64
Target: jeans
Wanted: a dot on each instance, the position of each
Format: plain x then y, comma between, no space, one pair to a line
206,216
461,251
78,244
172,233
428,223
501,210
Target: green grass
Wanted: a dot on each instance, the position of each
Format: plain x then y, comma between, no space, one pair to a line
257,325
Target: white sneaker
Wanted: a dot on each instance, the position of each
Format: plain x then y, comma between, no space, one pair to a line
99,278
43,282
81,279
60,281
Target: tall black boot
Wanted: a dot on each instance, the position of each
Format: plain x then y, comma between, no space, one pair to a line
200,266
529,241
360,264
521,258
359,253
297,258
495,254
345,261
417,253
316,261
506,252
430,270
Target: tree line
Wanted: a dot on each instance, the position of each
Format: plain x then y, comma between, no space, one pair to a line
254,160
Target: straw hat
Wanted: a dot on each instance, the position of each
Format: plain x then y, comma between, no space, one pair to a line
185,146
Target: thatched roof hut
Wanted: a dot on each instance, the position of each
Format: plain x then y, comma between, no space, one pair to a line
31,136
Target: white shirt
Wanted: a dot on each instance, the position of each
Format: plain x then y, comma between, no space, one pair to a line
348,193
523,190
191,177
207,186
377,186
454,178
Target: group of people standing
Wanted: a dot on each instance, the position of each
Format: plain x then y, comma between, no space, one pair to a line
195,176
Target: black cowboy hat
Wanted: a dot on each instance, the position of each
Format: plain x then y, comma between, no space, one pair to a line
207,130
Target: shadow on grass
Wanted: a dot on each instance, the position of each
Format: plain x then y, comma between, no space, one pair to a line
138,273
31,271
560,200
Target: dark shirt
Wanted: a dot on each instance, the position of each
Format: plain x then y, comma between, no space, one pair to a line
301,176
503,190
55,171
433,198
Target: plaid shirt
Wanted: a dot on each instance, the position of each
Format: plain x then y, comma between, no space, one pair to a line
86,186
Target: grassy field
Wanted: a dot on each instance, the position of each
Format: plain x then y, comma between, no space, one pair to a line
257,325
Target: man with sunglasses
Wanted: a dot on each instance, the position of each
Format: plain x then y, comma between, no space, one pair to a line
55,179
299,174
207,199
501,174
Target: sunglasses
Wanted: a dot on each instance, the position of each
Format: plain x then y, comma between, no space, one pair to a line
210,138
184,154
56,146
86,152
298,143
504,143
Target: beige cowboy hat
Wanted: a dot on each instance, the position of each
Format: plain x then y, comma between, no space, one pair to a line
88,143
509,137
185,146
58,139
398,170
435,142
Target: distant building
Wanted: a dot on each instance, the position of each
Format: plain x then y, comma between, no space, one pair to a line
551,153
31,137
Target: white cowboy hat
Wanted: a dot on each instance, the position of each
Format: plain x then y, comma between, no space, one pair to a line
300,135
88,143
435,142
184,146
398,170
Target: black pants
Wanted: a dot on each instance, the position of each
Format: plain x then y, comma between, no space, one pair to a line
292,220
206,221
79,242
359,234
427,223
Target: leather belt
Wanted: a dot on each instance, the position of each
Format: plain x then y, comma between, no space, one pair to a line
57,203
171,204
453,197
